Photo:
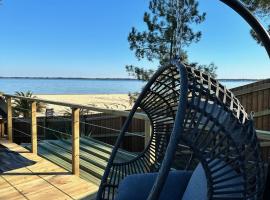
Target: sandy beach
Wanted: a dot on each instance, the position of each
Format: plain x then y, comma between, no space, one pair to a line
109,101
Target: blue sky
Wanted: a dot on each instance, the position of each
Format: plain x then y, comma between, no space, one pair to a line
88,38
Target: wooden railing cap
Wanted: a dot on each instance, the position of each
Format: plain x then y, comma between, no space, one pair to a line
72,105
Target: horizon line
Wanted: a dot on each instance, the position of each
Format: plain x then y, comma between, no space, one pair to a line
106,78
70,78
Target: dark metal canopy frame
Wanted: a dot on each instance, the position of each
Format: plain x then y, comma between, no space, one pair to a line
191,112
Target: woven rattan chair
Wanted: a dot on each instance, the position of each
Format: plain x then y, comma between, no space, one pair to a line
203,144
202,125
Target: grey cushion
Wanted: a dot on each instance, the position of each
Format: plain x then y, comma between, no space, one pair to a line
181,184
138,186
197,186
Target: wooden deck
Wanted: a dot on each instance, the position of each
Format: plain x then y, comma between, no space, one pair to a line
28,176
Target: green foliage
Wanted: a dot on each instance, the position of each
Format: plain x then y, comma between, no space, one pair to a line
260,8
169,31
143,74
139,73
133,97
256,38
22,107
209,69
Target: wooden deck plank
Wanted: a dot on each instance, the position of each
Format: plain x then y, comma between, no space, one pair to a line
70,186
41,180
9,192
40,189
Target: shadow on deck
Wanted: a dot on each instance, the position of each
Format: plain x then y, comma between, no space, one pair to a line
27,176
11,160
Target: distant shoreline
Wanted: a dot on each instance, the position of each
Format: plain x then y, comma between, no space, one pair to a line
109,79
236,79
68,78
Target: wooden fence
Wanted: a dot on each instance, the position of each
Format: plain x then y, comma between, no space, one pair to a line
256,97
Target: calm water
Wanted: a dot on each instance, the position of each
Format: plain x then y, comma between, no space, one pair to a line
64,86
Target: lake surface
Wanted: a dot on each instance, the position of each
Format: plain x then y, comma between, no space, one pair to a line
76,86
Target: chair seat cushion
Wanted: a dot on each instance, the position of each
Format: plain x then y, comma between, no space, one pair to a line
197,186
138,186
227,180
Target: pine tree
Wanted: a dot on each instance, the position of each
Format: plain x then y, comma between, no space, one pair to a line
169,32
261,8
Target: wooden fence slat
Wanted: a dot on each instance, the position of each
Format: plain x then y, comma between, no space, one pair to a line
260,108
249,103
251,88
256,97
262,113
265,107
268,117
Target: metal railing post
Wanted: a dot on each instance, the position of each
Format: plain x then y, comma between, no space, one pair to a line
76,141
34,127
9,119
